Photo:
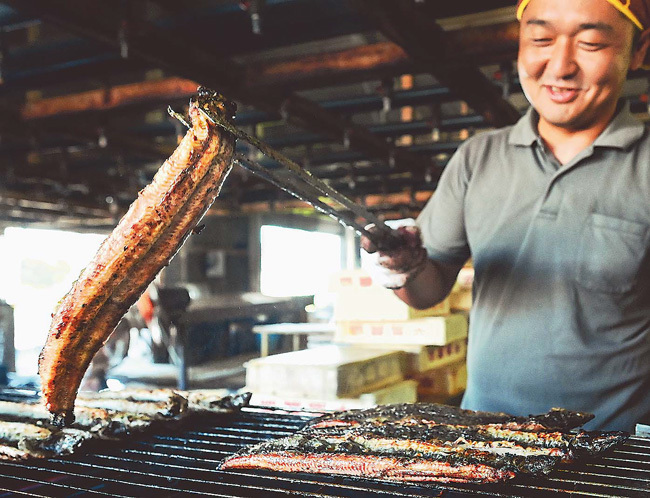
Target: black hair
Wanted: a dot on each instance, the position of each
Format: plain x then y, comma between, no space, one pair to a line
636,36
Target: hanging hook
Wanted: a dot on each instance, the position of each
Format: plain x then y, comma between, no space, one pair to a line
3,55
123,31
506,84
254,9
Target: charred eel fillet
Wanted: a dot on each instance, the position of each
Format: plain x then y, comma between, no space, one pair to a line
556,419
168,402
105,424
446,440
387,445
299,454
564,446
173,406
145,240
38,442
211,401
379,467
429,442
11,453
528,463
135,394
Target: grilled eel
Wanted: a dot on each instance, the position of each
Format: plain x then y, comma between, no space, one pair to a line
145,240
407,455
34,441
173,406
213,401
8,452
557,419
199,400
392,445
429,442
301,454
105,424
380,467
486,438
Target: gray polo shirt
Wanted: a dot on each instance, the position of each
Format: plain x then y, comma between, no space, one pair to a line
561,313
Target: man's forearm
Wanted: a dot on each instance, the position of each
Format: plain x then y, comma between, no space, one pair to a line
429,286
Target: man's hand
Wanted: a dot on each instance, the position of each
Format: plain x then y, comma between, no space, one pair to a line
394,268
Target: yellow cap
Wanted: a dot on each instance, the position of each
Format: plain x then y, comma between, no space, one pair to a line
622,6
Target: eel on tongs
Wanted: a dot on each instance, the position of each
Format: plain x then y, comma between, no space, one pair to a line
144,241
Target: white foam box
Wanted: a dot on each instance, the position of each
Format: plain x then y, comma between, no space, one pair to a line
326,372
460,298
357,297
465,278
422,358
400,392
430,331
441,383
642,430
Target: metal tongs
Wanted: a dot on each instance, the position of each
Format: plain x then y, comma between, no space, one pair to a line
308,188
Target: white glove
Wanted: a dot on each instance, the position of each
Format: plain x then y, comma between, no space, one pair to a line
394,268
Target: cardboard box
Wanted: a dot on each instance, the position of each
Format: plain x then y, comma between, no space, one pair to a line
430,331
441,383
422,358
326,372
358,299
460,299
401,392
418,359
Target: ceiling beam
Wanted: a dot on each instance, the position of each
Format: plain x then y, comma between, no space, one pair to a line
110,97
183,56
9,200
412,27
366,62
474,45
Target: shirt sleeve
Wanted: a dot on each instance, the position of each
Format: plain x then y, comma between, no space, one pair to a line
442,221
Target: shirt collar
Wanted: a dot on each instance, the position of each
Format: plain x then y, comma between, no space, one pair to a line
524,132
622,132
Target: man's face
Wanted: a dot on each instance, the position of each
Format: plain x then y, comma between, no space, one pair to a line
573,60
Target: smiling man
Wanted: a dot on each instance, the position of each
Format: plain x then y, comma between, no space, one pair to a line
555,213
573,61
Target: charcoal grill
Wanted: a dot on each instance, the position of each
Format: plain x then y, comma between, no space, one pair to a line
183,462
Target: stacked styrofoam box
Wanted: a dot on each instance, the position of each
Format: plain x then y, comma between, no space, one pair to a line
335,377
404,391
460,298
367,313
433,341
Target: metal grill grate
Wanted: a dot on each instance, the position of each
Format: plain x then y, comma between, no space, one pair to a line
183,462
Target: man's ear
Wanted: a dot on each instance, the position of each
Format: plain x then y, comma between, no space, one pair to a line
640,51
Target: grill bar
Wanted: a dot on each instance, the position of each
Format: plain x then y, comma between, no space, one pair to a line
184,462
18,493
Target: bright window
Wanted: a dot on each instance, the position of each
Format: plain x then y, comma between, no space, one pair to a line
297,262
38,268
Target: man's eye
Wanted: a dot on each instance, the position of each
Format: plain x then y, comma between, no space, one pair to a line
591,46
542,41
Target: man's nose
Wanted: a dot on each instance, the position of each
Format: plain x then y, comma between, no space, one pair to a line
562,63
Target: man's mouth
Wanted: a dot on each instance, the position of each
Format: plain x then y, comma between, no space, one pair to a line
561,95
